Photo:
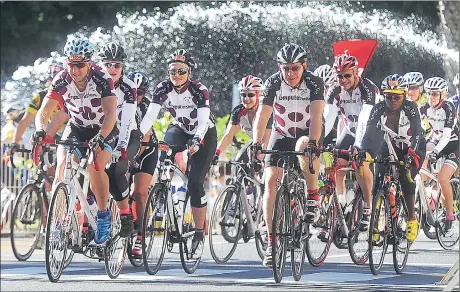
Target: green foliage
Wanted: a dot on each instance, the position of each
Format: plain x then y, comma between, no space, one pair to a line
161,125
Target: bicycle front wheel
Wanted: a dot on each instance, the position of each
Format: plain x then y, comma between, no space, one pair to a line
299,237
358,242
225,224
400,245
449,238
280,233
378,232
57,229
261,236
189,258
115,249
26,222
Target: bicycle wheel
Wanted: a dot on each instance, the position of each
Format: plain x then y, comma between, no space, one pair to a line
322,231
26,222
280,232
261,236
189,260
400,245
358,242
430,231
115,248
449,240
135,262
378,232
300,237
155,229
225,224
57,229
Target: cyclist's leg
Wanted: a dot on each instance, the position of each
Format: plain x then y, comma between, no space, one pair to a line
344,141
447,171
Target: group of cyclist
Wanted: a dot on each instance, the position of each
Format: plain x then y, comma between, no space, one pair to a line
294,109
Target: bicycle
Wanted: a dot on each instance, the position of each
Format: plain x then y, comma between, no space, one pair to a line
63,231
232,218
334,225
431,211
290,231
167,222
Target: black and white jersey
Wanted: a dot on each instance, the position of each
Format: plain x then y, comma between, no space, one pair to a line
440,118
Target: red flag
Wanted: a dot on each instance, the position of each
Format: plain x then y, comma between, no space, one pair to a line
363,50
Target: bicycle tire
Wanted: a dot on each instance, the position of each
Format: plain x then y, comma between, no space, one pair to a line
55,274
33,189
297,216
115,248
279,232
449,242
220,213
154,227
189,264
135,262
354,235
400,244
330,214
261,236
378,200
426,227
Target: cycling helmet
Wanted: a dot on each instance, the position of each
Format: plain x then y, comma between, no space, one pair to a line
414,78
436,84
326,73
345,62
15,113
395,83
54,69
182,56
291,53
456,81
140,79
250,83
78,50
112,52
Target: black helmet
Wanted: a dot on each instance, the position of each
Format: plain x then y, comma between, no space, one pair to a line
182,56
291,53
140,79
112,52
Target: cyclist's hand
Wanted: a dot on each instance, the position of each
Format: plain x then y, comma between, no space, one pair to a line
432,156
193,145
97,142
412,159
13,147
215,159
38,136
254,151
312,149
119,154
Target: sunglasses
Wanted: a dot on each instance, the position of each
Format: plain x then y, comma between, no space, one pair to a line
291,68
177,71
78,65
251,94
348,76
395,97
114,65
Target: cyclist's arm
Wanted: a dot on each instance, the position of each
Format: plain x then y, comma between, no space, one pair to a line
109,108
203,111
260,122
226,140
150,116
128,116
50,103
373,136
362,123
331,109
59,119
266,138
448,125
412,112
26,120
316,108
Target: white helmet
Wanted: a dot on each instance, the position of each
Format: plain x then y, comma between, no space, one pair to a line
414,78
456,81
250,83
436,84
326,73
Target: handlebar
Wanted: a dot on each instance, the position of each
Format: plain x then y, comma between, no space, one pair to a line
21,150
78,144
387,161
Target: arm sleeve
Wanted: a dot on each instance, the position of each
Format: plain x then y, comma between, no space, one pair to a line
127,118
268,96
412,112
330,115
448,125
150,117
203,118
372,136
362,123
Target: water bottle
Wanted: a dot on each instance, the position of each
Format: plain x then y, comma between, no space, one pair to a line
250,198
393,201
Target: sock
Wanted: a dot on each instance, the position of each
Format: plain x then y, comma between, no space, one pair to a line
102,214
269,240
139,234
313,195
125,211
412,218
450,218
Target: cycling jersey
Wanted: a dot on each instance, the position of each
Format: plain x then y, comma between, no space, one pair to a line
292,104
84,108
126,108
240,116
409,129
189,107
443,123
37,101
353,105
455,101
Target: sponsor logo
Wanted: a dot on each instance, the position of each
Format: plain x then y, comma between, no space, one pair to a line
76,58
293,97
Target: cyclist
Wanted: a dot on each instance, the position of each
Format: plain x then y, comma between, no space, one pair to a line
353,98
415,81
400,118
60,117
242,117
443,141
296,98
87,91
455,98
193,127
112,58
147,159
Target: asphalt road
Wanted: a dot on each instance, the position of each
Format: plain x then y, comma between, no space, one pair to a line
427,264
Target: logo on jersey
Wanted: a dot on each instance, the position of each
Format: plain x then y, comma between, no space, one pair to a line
75,58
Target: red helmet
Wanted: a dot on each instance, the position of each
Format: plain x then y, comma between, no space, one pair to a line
345,62
250,83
